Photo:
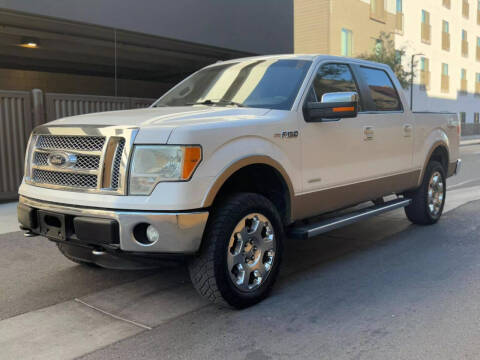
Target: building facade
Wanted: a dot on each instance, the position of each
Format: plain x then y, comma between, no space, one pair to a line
341,27
444,38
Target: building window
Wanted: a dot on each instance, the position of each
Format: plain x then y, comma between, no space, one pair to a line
476,118
465,8
477,84
478,49
424,73
463,117
346,42
464,43
478,12
378,47
446,3
445,81
377,10
463,81
426,26
399,16
445,36
398,57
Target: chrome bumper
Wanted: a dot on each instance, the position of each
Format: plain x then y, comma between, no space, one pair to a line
181,232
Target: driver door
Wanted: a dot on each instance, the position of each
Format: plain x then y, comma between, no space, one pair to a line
335,153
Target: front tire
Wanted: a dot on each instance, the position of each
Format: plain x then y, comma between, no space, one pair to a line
241,252
429,199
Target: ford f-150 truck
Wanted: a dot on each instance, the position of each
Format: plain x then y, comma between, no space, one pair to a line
230,162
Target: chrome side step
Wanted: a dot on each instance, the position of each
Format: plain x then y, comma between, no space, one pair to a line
311,230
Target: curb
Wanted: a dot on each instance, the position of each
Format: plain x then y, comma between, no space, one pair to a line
469,142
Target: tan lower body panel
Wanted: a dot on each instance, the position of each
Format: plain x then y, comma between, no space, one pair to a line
316,203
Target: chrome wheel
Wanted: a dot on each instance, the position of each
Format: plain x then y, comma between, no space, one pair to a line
251,252
435,194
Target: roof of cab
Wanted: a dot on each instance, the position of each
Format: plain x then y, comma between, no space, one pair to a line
310,57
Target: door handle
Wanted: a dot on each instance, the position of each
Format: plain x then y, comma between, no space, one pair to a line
368,133
407,130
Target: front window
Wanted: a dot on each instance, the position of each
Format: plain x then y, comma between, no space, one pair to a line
267,83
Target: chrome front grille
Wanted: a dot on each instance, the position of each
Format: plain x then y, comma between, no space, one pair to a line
64,179
83,143
91,159
91,162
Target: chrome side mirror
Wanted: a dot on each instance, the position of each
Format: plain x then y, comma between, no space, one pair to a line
333,107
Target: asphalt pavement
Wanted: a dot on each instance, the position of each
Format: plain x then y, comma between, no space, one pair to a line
379,289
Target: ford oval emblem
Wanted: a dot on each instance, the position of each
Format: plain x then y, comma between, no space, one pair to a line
61,159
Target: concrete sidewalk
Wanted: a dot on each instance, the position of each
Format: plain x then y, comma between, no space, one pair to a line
8,218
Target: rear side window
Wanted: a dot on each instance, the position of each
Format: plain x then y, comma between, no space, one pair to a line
382,91
333,78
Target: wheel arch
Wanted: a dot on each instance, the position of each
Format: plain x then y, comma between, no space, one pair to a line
438,152
280,189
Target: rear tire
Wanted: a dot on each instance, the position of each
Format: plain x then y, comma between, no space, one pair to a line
429,199
241,252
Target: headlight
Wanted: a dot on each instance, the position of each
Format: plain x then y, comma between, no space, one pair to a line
152,164
28,155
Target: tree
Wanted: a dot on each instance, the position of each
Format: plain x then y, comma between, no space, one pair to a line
384,52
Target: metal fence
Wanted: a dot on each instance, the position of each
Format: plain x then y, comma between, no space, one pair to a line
15,127
21,111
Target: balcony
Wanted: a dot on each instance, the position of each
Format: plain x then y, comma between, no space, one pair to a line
445,41
377,11
463,86
445,86
399,22
425,79
426,30
465,9
464,48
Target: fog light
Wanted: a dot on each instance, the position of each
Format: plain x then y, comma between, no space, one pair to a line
152,234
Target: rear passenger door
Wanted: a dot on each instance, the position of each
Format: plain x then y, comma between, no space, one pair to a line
388,132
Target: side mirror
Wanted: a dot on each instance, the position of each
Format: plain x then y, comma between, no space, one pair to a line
333,107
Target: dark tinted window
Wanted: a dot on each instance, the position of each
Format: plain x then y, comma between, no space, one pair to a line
382,90
333,78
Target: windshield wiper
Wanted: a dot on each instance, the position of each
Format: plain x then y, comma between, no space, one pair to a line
219,102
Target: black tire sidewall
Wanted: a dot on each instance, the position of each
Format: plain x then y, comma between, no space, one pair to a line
234,296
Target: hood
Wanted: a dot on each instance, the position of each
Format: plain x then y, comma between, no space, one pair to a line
157,124
162,116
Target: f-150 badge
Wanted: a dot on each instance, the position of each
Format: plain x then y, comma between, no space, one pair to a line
287,134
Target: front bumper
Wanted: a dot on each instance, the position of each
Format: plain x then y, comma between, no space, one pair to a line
180,232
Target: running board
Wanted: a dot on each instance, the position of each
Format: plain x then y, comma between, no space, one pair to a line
311,230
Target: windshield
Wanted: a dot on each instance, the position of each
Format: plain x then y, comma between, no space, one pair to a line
269,83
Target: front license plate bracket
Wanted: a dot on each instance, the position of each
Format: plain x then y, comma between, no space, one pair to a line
52,225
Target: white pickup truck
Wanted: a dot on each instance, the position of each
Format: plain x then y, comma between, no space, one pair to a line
230,162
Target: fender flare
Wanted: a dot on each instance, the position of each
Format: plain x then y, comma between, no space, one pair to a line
241,163
434,147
